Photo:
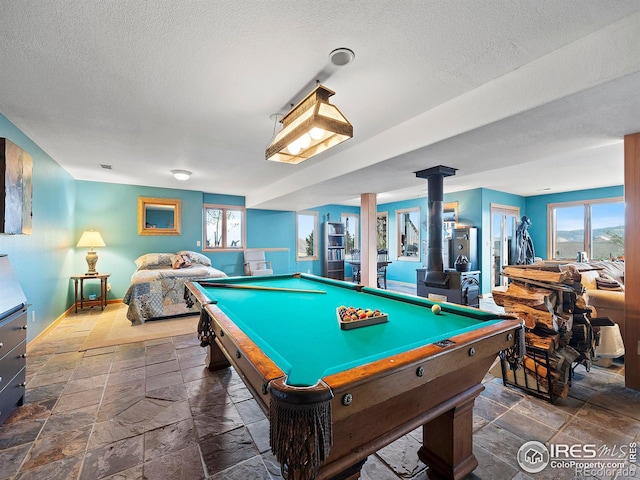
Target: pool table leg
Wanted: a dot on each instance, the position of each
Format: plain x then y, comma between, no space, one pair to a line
351,473
447,446
216,360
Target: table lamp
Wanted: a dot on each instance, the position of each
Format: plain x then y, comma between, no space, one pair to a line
91,239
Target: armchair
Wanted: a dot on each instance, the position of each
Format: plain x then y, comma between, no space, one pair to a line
255,263
608,303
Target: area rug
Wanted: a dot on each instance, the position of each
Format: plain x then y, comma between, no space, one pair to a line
113,328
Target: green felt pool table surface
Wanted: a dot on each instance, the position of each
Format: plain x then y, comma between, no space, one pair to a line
300,332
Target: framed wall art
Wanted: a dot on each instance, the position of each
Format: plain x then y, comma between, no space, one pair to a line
16,189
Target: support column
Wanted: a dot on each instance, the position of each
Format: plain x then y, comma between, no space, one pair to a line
632,261
368,240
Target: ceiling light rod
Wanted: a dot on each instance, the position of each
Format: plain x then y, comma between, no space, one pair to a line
311,127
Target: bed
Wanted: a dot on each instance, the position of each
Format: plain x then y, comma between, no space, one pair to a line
157,285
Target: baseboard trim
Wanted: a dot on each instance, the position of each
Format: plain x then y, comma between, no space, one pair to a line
64,314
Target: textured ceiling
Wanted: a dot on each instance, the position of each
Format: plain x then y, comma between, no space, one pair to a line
525,97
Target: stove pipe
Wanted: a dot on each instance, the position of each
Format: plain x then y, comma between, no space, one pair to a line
435,276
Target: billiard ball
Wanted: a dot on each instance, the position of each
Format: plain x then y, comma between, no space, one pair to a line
436,309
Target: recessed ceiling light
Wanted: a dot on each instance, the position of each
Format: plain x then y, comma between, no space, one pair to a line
342,56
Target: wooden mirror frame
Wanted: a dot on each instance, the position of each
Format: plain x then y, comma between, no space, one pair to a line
144,202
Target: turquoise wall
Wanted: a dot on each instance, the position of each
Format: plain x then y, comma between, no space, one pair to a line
63,208
473,211
43,260
536,208
112,210
404,270
274,231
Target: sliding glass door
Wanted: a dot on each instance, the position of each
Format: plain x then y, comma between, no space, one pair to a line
504,223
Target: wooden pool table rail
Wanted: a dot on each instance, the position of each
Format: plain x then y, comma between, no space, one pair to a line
431,386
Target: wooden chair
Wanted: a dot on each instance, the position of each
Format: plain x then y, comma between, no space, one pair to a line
383,256
255,263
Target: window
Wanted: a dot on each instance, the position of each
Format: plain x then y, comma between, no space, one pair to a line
223,227
383,231
307,236
352,236
408,234
595,227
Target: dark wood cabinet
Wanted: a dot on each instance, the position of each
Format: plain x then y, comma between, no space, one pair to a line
13,340
13,353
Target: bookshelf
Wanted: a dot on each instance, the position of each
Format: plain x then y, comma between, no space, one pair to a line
334,250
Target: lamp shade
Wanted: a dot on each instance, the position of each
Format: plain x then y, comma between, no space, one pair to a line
91,239
311,127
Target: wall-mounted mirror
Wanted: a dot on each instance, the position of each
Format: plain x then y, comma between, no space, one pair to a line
158,216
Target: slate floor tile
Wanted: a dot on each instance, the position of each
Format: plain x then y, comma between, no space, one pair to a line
227,449
253,468
77,400
170,438
56,447
525,427
11,458
113,458
217,420
71,420
67,468
180,464
161,368
19,433
402,456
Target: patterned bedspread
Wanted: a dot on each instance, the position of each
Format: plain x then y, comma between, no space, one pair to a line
156,293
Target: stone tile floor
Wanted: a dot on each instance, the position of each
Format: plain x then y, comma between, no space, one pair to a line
152,411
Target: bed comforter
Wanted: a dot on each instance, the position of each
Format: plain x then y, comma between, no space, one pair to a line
159,292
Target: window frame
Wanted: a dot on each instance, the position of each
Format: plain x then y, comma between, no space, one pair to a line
308,258
407,258
225,209
384,215
356,233
586,205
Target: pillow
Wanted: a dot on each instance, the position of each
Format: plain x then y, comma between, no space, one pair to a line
154,260
181,261
605,282
196,257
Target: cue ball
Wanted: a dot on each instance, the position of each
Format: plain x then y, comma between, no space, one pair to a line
436,309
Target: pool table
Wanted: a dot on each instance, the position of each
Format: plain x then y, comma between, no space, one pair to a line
334,396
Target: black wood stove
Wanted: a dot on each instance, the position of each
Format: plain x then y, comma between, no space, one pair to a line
459,287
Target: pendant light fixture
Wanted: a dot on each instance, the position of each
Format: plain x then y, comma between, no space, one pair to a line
311,127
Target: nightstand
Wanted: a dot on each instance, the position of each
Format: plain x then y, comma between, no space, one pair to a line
101,300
